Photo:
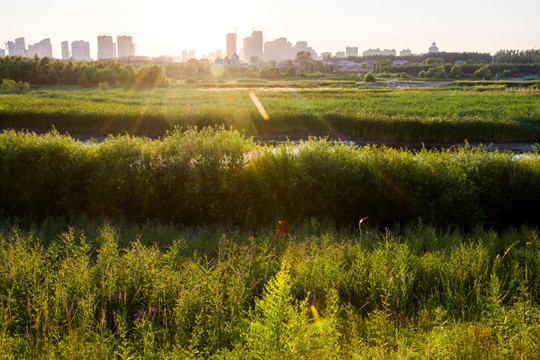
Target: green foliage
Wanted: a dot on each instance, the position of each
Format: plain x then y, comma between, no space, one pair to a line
433,61
96,290
456,71
369,78
9,86
214,175
483,73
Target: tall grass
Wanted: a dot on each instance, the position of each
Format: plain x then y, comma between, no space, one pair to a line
100,291
218,176
430,114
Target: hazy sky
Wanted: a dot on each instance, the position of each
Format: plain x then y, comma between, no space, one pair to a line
166,27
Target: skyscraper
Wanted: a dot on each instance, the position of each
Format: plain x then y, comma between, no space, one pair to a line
106,47
80,50
17,48
231,44
2,52
65,50
253,46
125,45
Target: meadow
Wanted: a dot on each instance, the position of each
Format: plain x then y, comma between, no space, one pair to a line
102,291
435,114
164,246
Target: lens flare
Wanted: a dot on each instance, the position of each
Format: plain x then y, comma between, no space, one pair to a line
259,106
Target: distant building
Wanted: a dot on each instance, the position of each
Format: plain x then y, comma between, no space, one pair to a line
80,50
253,46
433,49
106,47
302,46
219,54
231,45
351,51
400,62
184,55
191,54
125,45
41,49
405,52
326,55
278,50
234,60
65,50
2,52
340,54
17,48
378,52
459,62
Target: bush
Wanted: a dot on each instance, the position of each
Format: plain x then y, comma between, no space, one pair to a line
11,86
369,78
104,86
191,81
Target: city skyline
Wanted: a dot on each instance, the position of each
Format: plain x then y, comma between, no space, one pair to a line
166,28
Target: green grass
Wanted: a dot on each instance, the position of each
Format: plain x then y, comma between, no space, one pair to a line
317,106
104,291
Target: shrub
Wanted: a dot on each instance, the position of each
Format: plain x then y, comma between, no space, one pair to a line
369,78
9,86
104,86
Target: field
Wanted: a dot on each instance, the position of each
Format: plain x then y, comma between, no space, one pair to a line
442,114
102,291
167,245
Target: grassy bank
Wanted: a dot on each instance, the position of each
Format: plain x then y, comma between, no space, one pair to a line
426,114
103,291
218,176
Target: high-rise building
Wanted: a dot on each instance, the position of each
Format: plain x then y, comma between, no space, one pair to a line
191,54
65,50
106,47
184,54
125,45
41,49
219,54
278,50
253,47
351,51
44,48
17,48
80,50
231,44
2,52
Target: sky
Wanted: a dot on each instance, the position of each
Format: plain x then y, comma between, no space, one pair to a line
161,27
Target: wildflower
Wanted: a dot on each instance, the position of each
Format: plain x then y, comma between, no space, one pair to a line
153,309
135,316
140,311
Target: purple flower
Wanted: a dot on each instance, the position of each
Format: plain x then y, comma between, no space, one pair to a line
116,295
153,309
140,311
135,316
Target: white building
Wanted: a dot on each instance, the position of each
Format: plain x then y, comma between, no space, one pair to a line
125,45
65,50
41,49
106,47
80,50
405,52
351,51
278,50
433,49
2,52
17,48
